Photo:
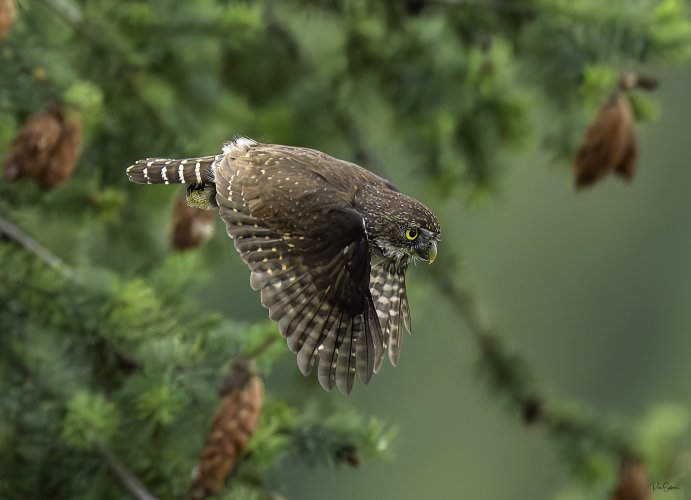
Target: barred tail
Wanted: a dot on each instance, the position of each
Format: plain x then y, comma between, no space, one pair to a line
165,171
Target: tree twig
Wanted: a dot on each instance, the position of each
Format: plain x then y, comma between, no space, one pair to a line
130,59
512,375
128,480
16,234
68,11
262,348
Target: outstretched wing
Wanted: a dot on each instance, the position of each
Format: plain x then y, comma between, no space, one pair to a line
387,286
308,253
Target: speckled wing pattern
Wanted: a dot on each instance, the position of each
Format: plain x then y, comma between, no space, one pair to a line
387,286
308,253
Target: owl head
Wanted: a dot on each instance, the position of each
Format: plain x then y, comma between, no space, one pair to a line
406,230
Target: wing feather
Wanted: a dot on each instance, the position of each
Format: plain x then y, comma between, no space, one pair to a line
387,286
298,334
308,349
314,337
369,342
345,366
313,276
329,354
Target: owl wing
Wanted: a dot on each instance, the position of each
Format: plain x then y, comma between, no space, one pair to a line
308,255
387,286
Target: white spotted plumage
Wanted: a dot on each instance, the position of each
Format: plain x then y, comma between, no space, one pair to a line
320,238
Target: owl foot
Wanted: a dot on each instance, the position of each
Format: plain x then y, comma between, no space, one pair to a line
201,196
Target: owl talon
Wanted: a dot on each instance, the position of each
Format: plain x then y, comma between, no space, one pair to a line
200,195
194,187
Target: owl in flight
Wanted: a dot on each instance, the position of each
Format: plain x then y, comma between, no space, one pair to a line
327,242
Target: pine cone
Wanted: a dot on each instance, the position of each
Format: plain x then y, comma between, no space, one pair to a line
47,148
191,227
65,155
610,144
31,148
235,421
8,14
633,481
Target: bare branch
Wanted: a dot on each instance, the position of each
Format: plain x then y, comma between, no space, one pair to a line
128,480
19,236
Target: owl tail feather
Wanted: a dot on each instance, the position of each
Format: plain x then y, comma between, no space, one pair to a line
165,171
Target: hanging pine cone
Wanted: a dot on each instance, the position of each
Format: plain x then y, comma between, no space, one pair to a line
8,13
31,148
235,421
633,481
63,160
609,145
47,148
191,227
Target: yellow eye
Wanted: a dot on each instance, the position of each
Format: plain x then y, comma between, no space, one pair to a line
411,234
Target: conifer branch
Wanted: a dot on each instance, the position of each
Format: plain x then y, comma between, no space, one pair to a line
262,348
511,375
17,235
128,480
135,344
123,474
97,37
68,11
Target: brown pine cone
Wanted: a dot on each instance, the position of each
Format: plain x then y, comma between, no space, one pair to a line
234,423
8,14
64,157
47,148
31,148
633,481
609,145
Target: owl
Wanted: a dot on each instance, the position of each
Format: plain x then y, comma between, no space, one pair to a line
327,242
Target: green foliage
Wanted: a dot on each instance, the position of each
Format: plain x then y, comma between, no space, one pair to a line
90,419
669,32
659,434
644,107
92,358
321,433
273,439
655,440
451,82
598,82
125,364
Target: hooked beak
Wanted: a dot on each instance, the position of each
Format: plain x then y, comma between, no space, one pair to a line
432,254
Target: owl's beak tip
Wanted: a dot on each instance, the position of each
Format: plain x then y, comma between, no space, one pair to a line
432,255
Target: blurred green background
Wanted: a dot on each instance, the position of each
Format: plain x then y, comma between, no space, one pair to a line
590,287
593,288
